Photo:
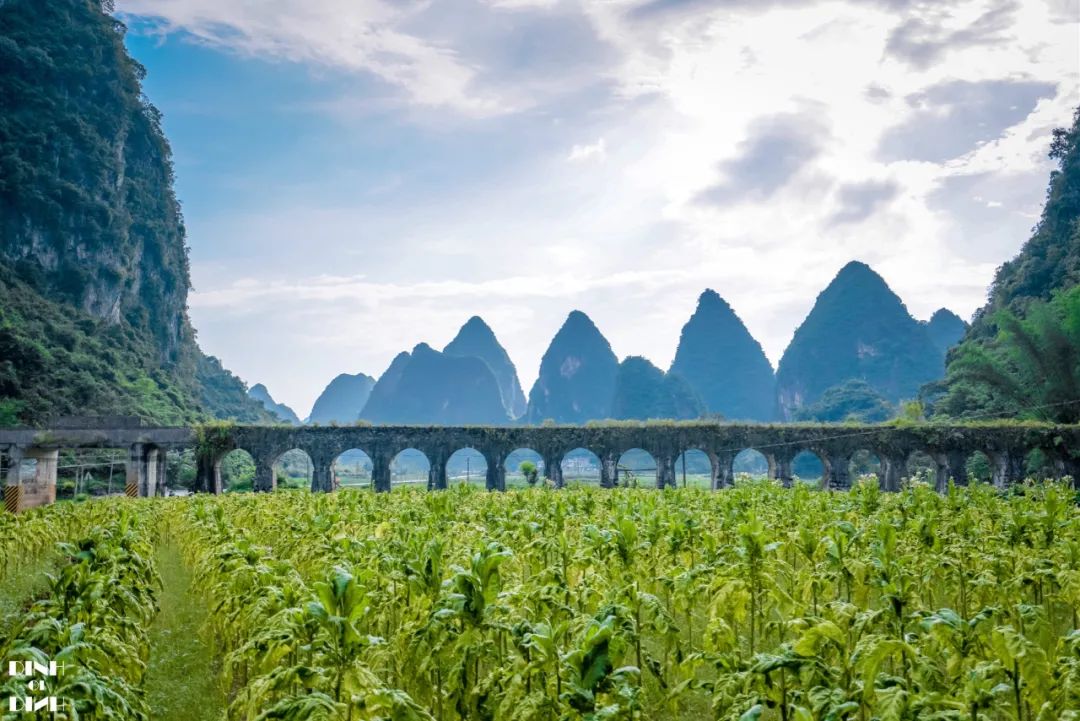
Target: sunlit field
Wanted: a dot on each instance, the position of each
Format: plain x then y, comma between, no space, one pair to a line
757,602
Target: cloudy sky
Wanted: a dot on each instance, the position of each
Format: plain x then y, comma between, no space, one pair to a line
358,176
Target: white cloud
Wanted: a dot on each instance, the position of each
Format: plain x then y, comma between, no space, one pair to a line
595,151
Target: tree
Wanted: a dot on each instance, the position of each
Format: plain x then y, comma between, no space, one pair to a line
853,400
1031,369
528,469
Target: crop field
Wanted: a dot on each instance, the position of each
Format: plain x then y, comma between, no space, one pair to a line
756,602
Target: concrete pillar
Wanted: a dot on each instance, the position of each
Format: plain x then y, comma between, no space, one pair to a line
208,474
665,471
322,476
380,473
39,489
722,470
135,484
437,475
1008,468
12,479
837,471
892,472
150,477
162,482
265,480
770,459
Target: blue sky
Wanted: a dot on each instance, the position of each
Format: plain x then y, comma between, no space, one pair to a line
359,176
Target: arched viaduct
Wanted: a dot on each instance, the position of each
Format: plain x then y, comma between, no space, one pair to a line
948,447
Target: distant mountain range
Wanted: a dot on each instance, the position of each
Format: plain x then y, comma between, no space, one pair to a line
856,355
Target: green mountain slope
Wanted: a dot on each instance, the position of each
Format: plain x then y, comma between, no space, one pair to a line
342,399
643,391
577,375
858,329
427,387
722,361
92,242
477,339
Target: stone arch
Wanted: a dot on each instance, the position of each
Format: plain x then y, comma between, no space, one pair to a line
1041,464
236,471
808,466
467,465
409,468
352,468
636,467
921,465
581,465
295,468
979,467
694,467
512,464
754,463
862,463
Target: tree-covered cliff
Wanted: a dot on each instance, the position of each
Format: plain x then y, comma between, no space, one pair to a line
1021,357
1050,260
92,242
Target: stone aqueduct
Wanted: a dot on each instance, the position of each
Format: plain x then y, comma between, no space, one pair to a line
948,446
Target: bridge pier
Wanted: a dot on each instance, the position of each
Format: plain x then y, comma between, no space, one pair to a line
265,480
380,473
941,471
892,472
23,490
722,470
837,471
1008,467
437,475
553,469
665,471
780,468
322,476
496,469
609,469
145,471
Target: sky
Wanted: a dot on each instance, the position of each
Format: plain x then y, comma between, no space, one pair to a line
360,176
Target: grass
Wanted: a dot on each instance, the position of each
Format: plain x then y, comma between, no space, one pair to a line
182,676
23,582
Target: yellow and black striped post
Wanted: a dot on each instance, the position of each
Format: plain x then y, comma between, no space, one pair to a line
13,498
131,489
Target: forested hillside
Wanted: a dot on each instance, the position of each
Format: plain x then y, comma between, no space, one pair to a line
1021,357
94,264
1050,259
